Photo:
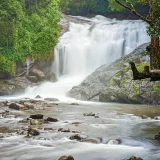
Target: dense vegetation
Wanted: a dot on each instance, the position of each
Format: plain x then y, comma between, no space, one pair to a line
94,7
27,28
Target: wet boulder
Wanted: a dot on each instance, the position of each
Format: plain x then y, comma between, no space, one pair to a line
32,132
52,77
38,96
76,137
50,119
157,137
66,158
134,158
17,106
38,73
36,116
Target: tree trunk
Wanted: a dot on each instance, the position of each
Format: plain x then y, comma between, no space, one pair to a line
155,53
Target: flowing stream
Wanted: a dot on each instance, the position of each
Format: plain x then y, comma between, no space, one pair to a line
79,52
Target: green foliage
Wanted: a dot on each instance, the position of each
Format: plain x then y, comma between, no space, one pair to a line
156,88
83,7
27,28
154,29
141,66
7,66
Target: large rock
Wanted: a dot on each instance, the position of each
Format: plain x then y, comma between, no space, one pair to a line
17,106
97,82
52,77
38,73
66,158
15,85
114,83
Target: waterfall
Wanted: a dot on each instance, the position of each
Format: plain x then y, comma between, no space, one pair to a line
88,46
85,47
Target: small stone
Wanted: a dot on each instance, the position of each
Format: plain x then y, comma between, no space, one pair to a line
89,114
76,123
76,137
63,130
33,132
51,99
66,158
157,118
74,104
25,120
144,117
114,141
1,104
48,129
38,96
135,158
36,116
34,122
75,132
29,105
50,119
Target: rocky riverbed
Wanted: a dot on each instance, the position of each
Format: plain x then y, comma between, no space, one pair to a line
48,129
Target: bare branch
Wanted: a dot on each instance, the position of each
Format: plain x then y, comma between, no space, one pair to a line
150,9
132,9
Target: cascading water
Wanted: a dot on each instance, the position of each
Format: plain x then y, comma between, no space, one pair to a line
88,46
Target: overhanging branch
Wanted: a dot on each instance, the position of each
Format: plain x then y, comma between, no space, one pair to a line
132,9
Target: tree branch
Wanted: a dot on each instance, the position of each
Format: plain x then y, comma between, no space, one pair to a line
150,9
131,8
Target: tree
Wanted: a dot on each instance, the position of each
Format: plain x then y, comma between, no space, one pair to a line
153,20
27,28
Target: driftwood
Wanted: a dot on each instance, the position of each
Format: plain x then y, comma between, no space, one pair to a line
154,75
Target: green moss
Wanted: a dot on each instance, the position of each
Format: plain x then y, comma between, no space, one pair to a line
141,66
156,88
136,90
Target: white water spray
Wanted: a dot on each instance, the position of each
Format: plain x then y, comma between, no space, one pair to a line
88,46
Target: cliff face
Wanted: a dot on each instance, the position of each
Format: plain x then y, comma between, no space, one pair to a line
114,83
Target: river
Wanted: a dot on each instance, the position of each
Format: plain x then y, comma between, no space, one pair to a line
79,52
